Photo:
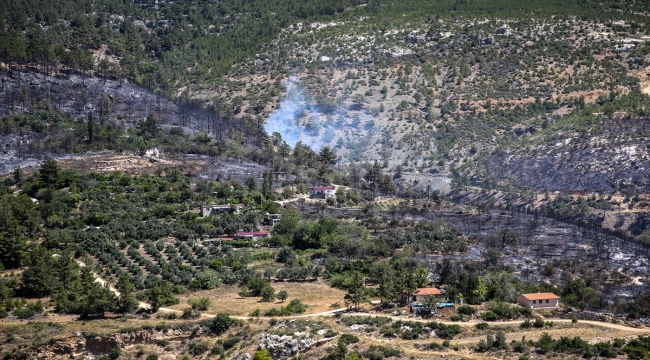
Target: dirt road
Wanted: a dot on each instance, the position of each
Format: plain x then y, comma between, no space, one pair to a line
145,305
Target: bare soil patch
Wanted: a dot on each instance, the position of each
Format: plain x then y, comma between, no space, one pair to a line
316,295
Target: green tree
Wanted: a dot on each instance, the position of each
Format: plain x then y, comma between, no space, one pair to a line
161,295
148,128
126,301
356,290
49,174
326,158
13,243
262,355
39,279
282,295
221,323
268,294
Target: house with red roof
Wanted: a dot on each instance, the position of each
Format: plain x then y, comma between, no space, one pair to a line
538,300
251,235
321,192
421,293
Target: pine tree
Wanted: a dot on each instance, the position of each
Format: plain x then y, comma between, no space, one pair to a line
49,173
374,174
12,239
39,279
127,301
356,290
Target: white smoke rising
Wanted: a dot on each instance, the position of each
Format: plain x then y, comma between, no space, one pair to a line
297,118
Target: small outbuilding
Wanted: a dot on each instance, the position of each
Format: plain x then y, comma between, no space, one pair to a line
272,219
321,192
538,300
212,210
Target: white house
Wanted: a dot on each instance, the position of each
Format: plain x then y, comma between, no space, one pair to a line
539,300
321,192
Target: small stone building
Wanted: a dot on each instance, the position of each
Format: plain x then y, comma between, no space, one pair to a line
272,219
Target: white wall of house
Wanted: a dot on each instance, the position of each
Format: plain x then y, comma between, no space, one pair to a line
543,303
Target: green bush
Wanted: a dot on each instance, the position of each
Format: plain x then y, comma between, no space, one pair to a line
482,326
378,352
190,313
230,342
220,324
466,310
348,339
201,304
447,331
489,316
197,349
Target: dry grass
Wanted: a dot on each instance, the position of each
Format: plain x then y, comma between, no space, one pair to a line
317,295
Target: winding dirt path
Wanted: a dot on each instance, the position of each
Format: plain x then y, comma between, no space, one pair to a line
609,325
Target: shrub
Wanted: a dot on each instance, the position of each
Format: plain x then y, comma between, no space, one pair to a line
482,326
574,319
447,331
220,324
456,317
152,357
466,310
349,339
201,304
489,316
378,352
268,294
197,349
257,312
539,323
230,342
190,313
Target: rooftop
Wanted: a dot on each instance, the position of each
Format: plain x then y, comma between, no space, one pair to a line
540,296
428,291
322,188
251,233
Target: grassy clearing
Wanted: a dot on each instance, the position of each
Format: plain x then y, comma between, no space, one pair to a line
317,295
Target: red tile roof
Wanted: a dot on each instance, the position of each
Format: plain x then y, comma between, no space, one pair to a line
227,239
540,296
251,233
428,291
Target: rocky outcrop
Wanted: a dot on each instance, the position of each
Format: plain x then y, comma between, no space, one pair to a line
284,347
94,346
488,40
503,30
415,39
